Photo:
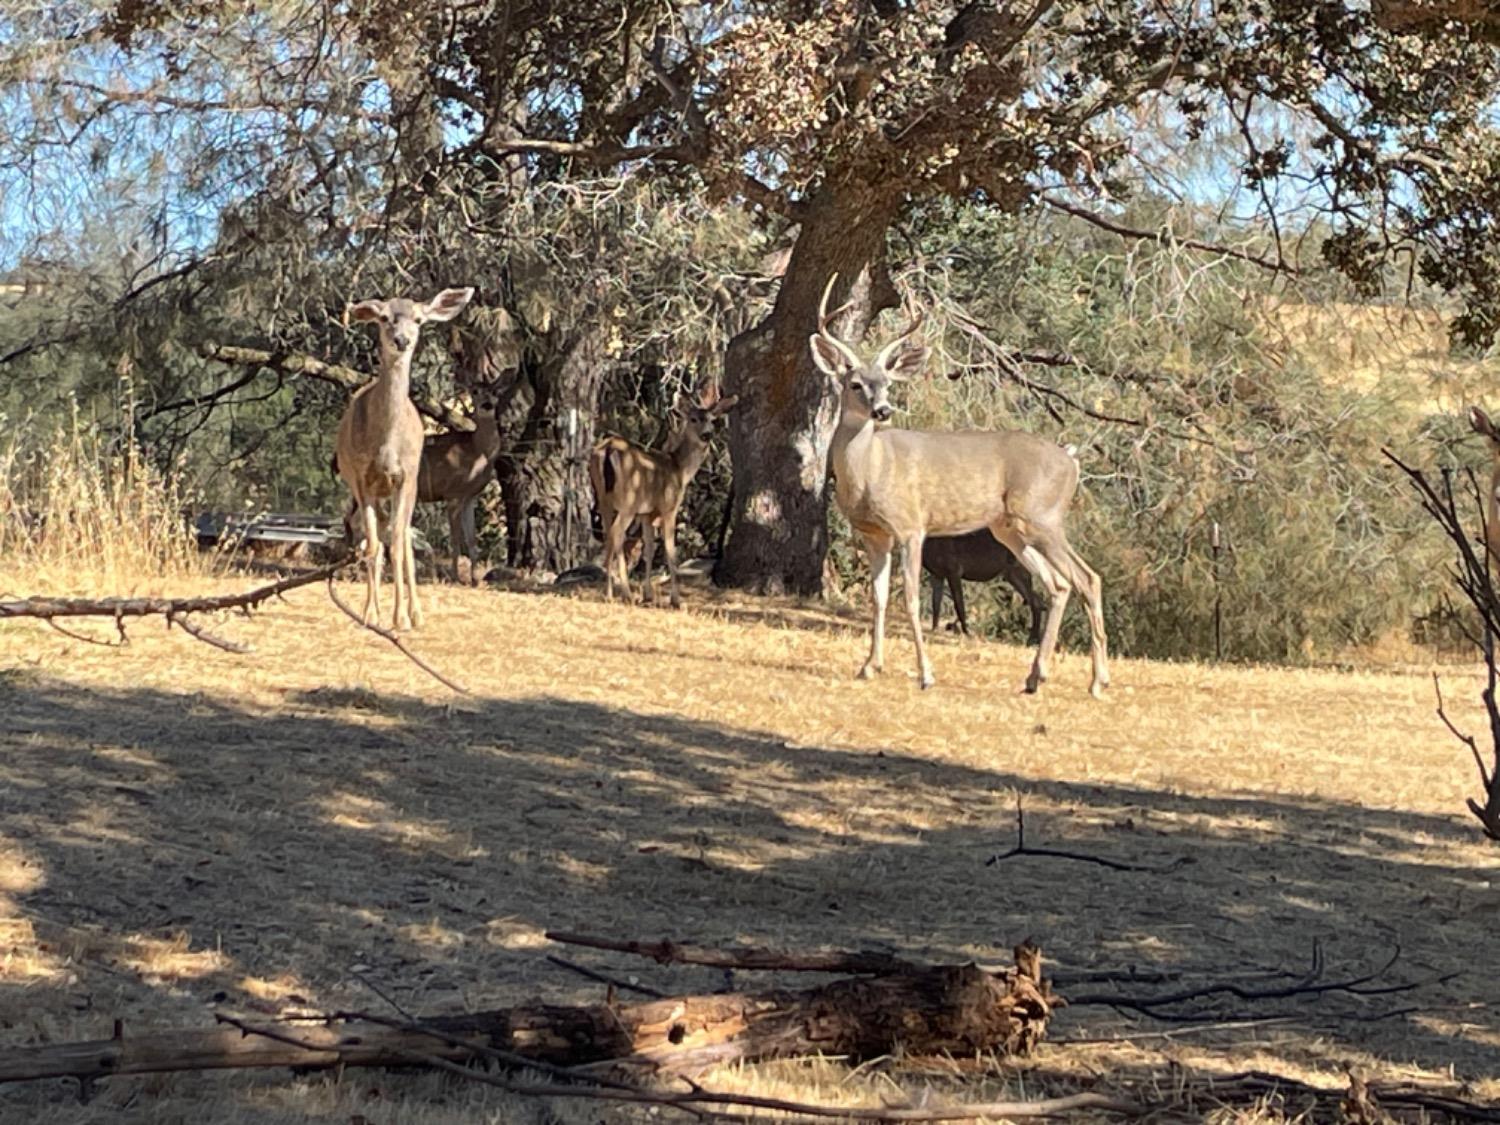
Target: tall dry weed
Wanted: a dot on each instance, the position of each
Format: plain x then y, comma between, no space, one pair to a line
80,515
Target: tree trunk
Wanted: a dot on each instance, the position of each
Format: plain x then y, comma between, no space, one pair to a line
951,1010
780,432
544,467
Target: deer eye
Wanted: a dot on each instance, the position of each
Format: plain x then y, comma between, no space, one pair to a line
856,385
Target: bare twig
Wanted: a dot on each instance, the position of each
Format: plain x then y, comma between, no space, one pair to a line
1308,986
604,978
186,625
1167,238
697,1098
1022,848
668,952
1471,572
380,631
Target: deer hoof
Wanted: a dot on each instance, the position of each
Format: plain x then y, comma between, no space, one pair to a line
868,672
927,681
1096,689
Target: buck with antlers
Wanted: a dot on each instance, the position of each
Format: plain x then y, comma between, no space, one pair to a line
1482,425
635,483
379,445
900,486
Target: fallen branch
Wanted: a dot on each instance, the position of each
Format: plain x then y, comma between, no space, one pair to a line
668,952
1310,985
960,1010
1022,848
175,610
604,978
294,363
381,631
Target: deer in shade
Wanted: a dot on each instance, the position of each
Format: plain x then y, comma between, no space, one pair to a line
977,557
632,482
897,487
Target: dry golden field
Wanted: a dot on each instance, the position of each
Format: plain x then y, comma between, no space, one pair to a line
182,830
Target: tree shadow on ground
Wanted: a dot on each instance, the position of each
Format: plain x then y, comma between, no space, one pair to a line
171,852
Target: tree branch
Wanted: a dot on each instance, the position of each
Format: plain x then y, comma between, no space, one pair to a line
1167,238
295,363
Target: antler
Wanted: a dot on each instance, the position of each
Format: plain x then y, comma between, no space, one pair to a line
824,316
890,348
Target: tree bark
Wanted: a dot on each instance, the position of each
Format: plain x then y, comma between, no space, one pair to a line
544,468
950,1010
780,432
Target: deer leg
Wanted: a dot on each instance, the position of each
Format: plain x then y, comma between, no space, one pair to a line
911,561
937,601
879,550
669,542
614,555
1092,591
648,552
408,609
1043,569
372,561
455,533
470,537
956,588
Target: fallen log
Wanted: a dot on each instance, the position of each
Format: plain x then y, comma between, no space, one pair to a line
956,1010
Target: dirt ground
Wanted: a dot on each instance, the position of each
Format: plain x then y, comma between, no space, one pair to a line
183,830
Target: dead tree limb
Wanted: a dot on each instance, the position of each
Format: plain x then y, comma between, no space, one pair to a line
294,363
668,952
1023,848
960,1010
175,610
1471,572
381,631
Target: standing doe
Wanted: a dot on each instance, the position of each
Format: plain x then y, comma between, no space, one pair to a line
978,557
379,446
456,467
1482,425
900,486
631,482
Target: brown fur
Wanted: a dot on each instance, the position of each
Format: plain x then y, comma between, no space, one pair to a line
900,486
379,445
631,482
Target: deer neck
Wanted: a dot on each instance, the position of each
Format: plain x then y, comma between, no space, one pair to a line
487,434
685,456
850,448
390,393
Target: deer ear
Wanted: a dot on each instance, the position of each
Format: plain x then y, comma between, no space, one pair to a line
367,310
723,405
447,304
908,363
1482,424
830,360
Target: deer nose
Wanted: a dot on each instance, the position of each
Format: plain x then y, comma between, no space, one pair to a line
882,413
401,340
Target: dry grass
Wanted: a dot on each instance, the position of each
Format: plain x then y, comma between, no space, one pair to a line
75,511
183,829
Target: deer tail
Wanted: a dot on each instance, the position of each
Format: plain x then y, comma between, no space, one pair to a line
611,470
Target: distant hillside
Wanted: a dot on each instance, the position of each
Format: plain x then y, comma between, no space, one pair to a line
1398,350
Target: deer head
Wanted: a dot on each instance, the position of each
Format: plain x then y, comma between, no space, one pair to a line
400,319
697,414
865,387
